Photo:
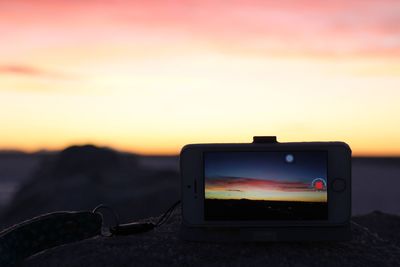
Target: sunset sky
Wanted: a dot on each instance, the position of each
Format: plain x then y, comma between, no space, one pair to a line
264,176
262,189
151,76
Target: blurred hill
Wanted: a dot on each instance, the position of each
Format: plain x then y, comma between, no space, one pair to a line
82,177
15,168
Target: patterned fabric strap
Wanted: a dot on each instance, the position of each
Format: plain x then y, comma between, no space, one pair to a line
46,231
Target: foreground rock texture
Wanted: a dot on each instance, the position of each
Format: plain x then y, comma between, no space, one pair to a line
370,247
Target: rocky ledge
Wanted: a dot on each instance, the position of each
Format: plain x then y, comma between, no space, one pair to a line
376,242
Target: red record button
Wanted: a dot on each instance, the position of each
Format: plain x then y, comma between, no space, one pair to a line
319,185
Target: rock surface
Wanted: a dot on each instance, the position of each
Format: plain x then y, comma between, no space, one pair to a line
369,247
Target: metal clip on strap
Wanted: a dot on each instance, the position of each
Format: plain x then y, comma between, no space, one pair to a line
131,228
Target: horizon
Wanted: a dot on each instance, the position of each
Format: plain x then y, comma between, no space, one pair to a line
148,77
43,150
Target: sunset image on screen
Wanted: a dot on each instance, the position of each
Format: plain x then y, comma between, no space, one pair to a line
262,184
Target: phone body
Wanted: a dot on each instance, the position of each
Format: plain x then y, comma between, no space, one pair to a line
266,184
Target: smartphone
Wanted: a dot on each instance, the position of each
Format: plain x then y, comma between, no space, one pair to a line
266,184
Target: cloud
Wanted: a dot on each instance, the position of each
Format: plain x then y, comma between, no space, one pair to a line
303,27
22,70
244,184
26,70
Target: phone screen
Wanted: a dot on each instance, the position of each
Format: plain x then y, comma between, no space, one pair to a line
262,185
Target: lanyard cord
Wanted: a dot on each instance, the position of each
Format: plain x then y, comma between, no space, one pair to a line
57,228
133,227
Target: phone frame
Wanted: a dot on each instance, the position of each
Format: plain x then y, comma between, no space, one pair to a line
192,182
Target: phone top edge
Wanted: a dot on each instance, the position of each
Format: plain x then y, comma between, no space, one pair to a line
238,145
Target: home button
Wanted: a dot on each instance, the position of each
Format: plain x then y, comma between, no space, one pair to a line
338,185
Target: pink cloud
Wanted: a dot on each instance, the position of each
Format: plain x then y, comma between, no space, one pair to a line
25,70
20,69
306,27
245,184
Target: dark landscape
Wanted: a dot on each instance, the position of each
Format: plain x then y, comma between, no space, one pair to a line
245,209
82,177
140,187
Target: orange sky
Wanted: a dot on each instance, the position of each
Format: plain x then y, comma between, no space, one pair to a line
261,189
151,76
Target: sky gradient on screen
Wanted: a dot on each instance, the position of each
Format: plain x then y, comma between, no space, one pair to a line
151,76
264,176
